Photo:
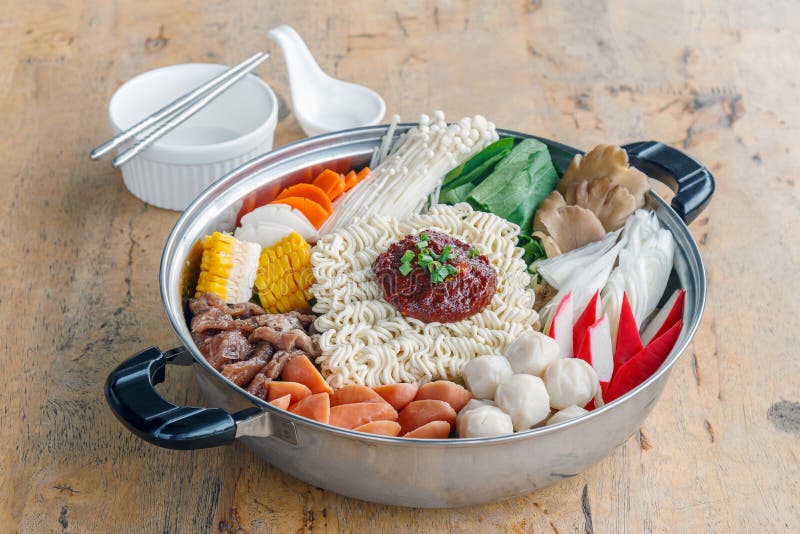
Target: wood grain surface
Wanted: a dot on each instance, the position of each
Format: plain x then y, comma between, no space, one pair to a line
80,254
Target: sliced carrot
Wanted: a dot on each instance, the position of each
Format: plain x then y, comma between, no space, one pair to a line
453,394
316,407
422,412
315,213
331,182
363,173
300,369
398,395
432,430
381,428
282,402
297,390
353,393
361,413
350,179
309,191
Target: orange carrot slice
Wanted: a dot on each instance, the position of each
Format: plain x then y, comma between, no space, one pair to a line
316,407
297,390
315,213
361,413
282,402
381,428
300,369
353,393
422,412
453,394
363,173
309,191
432,430
398,395
350,179
331,182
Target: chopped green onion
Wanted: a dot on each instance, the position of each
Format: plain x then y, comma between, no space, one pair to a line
407,257
405,268
423,236
439,275
424,260
451,270
445,255
473,253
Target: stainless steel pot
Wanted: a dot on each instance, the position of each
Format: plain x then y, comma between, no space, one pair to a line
405,472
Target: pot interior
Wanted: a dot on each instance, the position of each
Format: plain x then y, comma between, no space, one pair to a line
259,181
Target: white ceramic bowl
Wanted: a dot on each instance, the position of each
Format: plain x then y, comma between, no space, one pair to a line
234,128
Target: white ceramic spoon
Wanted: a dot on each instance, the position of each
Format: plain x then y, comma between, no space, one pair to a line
321,103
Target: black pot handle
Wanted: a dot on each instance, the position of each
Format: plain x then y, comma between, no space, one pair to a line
132,396
692,182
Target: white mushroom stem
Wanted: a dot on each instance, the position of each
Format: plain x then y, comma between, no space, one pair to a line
413,168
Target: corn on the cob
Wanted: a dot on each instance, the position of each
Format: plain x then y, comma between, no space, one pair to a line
284,275
228,267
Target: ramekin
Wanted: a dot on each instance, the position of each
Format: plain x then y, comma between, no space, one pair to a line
234,128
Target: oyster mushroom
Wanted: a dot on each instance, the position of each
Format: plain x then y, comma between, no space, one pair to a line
611,203
606,161
563,228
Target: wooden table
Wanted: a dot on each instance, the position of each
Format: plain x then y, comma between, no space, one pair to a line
80,254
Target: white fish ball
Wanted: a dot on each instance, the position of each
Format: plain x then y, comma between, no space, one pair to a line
484,422
471,405
570,412
524,398
570,381
531,353
484,373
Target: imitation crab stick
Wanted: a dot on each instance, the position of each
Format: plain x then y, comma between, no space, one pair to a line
398,395
589,316
315,213
282,402
628,341
316,407
432,430
353,393
380,428
422,412
642,365
296,390
309,191
453,394
300,369
361,413
331,182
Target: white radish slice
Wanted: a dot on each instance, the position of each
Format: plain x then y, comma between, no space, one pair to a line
668,315
265,234
561,326
285,215
596,349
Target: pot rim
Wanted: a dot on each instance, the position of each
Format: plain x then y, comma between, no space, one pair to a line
178,321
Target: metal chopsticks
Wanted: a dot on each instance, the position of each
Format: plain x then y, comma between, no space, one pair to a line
176,112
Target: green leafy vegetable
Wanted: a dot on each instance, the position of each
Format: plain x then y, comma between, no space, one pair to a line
478,164
517,184
456,195
534,250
